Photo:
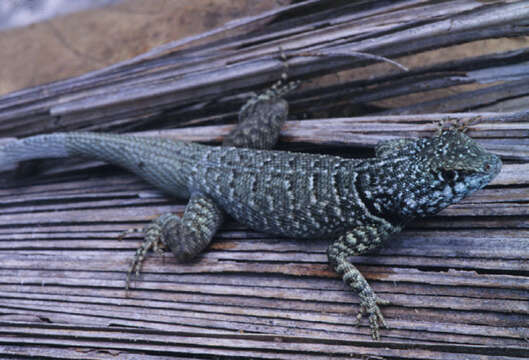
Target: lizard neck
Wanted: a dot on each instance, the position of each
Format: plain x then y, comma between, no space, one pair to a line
399,190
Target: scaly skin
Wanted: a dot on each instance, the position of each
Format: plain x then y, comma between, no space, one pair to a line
357,204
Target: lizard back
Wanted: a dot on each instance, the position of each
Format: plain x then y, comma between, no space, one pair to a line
279,192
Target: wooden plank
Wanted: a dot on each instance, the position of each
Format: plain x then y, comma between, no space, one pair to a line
159,85
457,282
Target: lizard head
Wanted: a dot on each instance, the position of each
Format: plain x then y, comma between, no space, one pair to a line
420,177
458,166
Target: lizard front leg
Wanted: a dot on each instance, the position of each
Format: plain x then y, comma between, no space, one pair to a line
186,236
356,242
261,118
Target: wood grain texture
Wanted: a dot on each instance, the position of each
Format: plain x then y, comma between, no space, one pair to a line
458,282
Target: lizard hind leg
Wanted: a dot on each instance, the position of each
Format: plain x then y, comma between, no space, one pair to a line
186,236
260,121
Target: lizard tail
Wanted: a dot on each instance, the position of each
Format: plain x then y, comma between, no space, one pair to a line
166,164
36,147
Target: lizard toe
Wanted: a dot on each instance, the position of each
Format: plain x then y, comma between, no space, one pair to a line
152,240
370,307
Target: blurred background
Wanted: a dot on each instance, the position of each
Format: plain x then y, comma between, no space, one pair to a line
15,13
47,40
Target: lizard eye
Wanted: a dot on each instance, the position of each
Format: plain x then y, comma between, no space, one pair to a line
449,176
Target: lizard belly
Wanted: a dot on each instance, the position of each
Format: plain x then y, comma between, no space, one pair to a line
300,222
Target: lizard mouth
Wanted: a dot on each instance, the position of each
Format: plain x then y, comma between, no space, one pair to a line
495,166
461,183
492,168
477,181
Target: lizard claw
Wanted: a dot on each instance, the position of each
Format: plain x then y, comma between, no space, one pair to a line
369,306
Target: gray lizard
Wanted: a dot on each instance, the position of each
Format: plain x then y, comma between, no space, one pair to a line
357,204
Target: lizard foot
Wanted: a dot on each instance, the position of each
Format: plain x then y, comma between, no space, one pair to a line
459,124
153,240
185,236
276,91
280,88
369,306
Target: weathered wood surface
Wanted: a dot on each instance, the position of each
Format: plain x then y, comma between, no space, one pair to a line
195,81
458,282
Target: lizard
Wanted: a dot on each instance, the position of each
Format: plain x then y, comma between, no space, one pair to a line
357,204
